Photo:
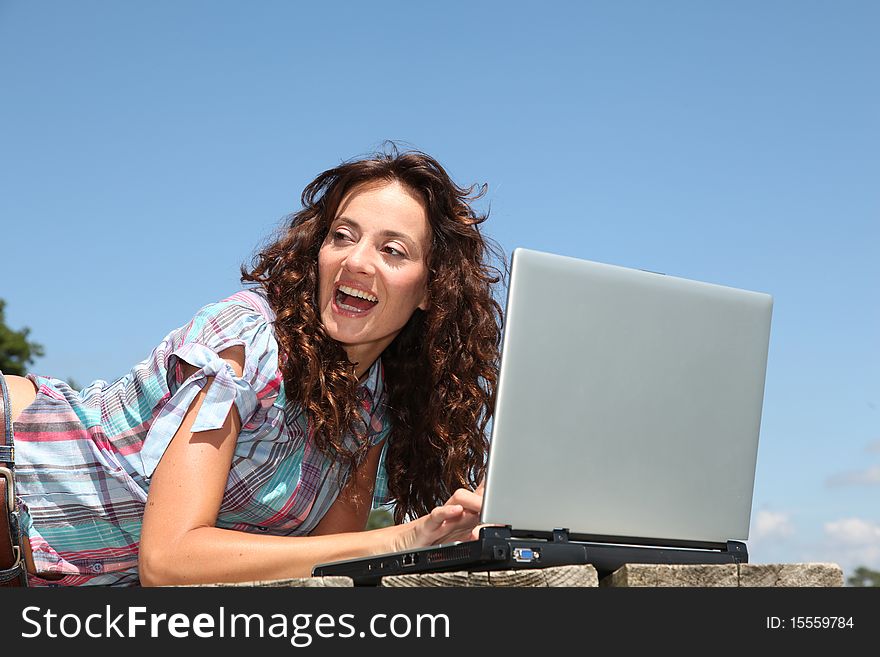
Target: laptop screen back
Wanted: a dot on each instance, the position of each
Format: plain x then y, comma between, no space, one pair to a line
629,403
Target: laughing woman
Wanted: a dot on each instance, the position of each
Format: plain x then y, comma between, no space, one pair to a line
357,369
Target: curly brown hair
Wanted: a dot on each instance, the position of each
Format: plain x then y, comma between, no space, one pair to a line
441,370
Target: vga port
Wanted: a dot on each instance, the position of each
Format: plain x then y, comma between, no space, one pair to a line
526,555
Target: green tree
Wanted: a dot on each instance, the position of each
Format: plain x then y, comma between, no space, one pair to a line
863,576
379,518
16,351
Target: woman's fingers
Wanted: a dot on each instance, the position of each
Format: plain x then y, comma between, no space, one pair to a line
447,512
471,500
450,522
455,520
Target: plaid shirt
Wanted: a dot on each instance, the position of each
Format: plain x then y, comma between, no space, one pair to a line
84,459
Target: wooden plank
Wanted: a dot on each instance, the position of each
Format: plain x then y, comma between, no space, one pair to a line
642,575
426,579
790,574
556,576
576,575
308,582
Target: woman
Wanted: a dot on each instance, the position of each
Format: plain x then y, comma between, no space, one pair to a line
254,440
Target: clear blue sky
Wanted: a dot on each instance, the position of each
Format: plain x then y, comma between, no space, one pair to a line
147,148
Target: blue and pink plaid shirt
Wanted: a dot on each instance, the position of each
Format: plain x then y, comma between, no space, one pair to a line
84,458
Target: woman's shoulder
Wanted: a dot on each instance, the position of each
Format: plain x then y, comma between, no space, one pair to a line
242,319
242,314
243,302
253,300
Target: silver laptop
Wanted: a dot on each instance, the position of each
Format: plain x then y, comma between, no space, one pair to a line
626,424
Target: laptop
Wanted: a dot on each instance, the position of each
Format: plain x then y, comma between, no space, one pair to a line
626,425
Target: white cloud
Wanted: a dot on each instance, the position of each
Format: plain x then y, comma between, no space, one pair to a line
868,477
771,524
853,531
847,542
855,541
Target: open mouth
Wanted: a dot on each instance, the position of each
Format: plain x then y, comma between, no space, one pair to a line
353,301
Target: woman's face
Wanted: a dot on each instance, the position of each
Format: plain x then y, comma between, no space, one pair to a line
372,268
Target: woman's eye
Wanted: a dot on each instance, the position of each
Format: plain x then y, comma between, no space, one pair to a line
340,235
390,250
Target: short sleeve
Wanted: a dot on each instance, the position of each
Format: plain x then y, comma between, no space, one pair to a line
215,328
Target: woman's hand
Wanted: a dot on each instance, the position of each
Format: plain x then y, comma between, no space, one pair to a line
456,520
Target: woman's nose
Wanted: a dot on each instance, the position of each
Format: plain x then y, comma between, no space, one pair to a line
359,259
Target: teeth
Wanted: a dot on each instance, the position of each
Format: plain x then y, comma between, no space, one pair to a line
358,293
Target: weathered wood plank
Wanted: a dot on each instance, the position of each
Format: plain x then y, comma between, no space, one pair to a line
427,579
576,575
308,582
641,575
790,574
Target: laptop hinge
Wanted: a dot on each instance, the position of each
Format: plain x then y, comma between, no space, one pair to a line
738,550
495,532
560,536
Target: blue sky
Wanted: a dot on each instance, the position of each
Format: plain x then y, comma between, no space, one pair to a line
147,149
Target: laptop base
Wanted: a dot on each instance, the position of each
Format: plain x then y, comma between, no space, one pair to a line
499,549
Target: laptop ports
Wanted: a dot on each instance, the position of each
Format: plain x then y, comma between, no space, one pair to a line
410,559
526,555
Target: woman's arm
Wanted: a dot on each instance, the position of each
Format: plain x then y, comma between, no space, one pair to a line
181,545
